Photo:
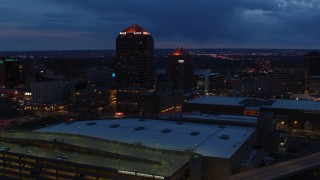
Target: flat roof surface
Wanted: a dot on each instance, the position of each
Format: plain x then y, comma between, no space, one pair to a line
219,100
252,102
294,104
207,143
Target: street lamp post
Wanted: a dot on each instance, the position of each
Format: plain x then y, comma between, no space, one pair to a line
117,148
78,139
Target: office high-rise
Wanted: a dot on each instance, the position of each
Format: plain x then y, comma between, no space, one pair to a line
9,73
135,64
312,66
179,70
134,67
288,81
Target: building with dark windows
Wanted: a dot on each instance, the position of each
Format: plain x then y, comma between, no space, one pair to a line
135,64
179,70
255,87
314,85
154,104
215,83
47,92
9,73
207,82
312,66
288,81
201,80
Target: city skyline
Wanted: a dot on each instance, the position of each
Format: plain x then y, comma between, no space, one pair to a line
93,25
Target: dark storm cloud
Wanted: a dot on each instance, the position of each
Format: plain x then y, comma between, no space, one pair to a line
94,24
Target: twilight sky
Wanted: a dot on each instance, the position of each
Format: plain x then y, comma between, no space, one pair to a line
94,24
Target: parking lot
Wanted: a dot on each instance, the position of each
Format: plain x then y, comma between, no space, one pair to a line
131,157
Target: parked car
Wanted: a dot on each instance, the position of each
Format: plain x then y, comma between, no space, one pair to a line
2,148
63,158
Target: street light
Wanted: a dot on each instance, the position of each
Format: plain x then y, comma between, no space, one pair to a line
78,139
153,172
117,148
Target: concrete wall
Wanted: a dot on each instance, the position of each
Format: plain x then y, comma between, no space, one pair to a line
209,108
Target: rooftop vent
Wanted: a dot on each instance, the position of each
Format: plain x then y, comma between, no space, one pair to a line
224,136
222,126
179,122
166,130
91,123
114,125
142,120
137,143
139,128
195,133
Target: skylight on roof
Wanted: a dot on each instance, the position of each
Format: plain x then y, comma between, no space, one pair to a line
195,133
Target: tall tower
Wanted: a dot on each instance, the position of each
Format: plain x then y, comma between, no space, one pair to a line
312,68
135,64
9,73
179,70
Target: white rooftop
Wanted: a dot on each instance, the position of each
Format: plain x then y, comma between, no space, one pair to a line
207,143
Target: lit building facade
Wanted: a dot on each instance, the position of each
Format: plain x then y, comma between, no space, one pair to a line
179,70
